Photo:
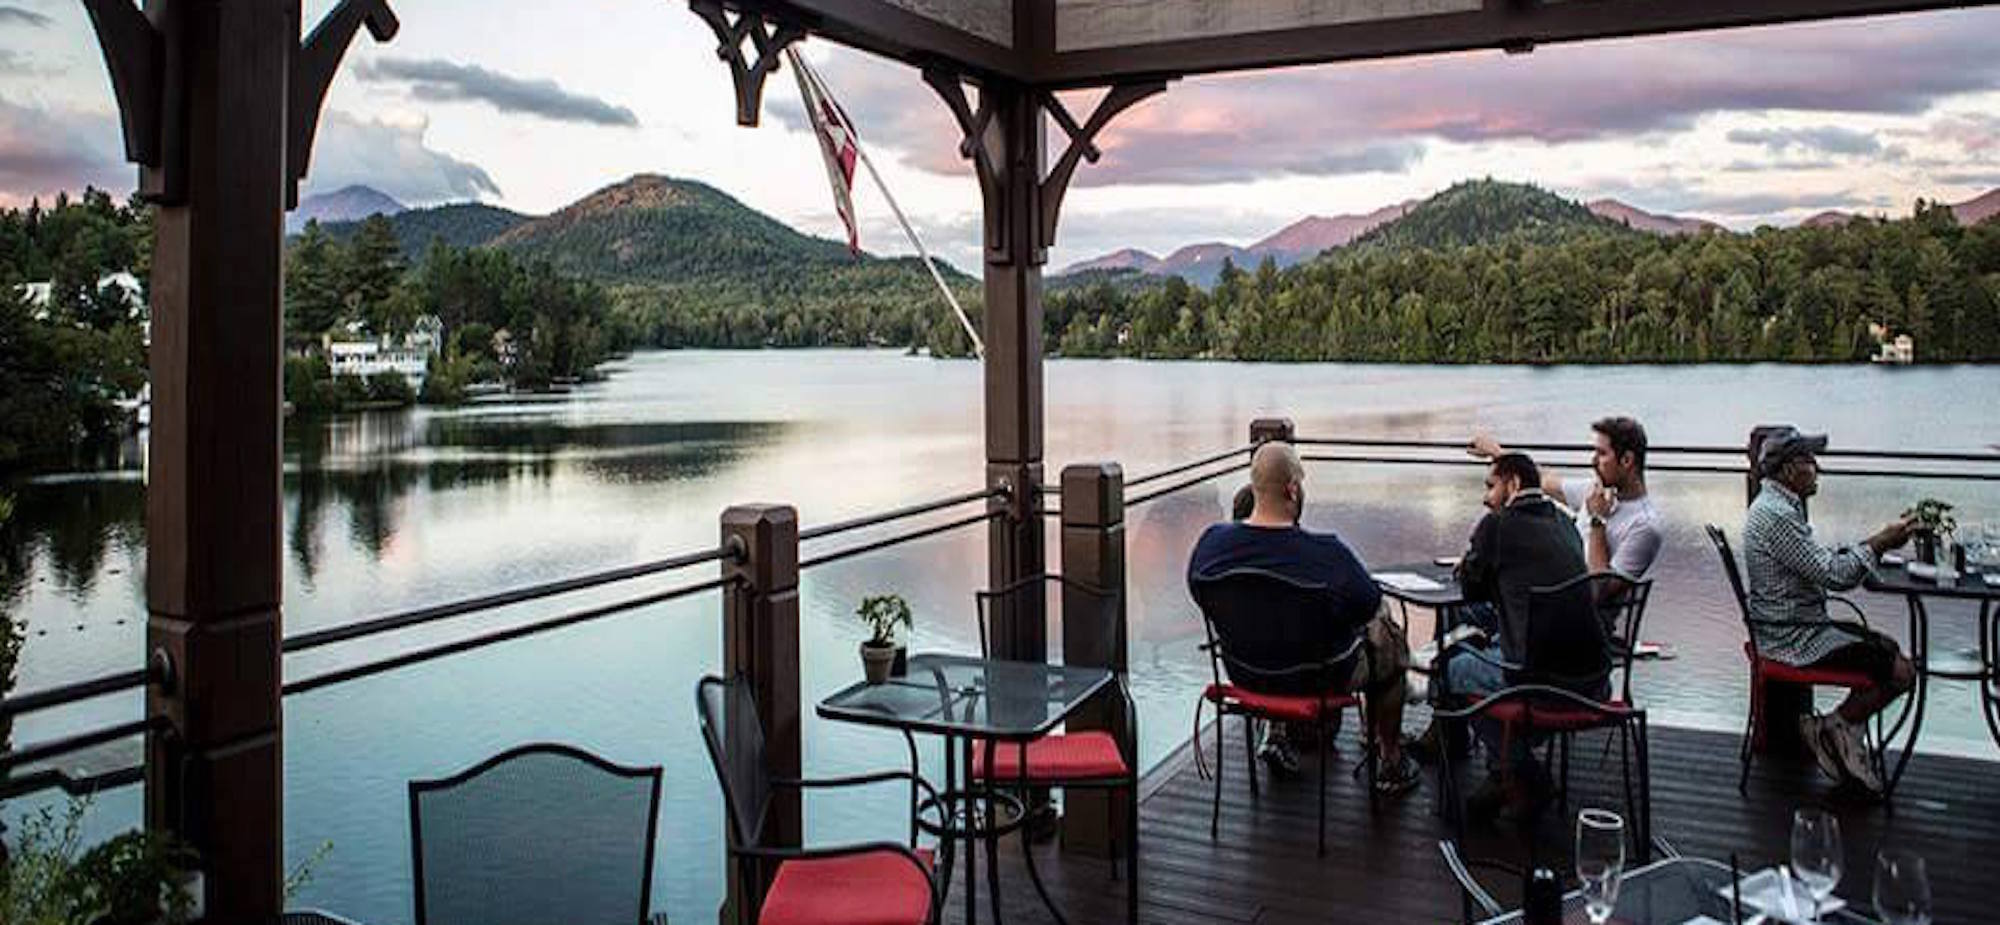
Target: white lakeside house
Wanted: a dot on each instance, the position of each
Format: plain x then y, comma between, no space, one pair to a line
409,358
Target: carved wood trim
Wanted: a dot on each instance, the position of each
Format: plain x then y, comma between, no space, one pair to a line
313,68
1082,144
973,126
768,38
135,54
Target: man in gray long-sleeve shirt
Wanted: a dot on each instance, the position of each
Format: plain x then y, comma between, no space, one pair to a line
1790,575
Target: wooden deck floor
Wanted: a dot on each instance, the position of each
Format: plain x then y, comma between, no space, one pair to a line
1384,866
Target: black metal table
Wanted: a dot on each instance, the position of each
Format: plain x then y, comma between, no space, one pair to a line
1673,891
1445,600
965,700
1977,666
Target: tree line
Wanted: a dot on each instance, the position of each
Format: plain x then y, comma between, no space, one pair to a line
1593,295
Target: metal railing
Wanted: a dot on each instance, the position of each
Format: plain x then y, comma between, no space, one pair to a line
63,695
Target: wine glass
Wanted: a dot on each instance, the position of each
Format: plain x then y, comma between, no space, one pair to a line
1600,861
1816,854
1902,892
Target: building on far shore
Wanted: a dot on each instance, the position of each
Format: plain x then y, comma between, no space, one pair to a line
408,356
1899,352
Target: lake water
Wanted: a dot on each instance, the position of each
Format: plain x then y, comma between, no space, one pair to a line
390,511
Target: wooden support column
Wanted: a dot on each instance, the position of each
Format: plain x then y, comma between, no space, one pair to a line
1013,141
760,642
1783,703
1095,631
214,555
1264,429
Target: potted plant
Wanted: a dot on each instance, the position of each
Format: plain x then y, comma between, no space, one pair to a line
1933,520
883,613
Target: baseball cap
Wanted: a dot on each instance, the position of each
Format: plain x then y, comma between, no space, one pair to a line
1784,444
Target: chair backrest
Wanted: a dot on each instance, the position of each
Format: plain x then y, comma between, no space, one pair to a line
540,833
1567,643
1261,624
733,732
1080,601
1621,603
1721,542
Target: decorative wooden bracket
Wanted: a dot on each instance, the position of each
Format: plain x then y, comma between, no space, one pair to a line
991,167
313,67
768,37
1082,143
147,89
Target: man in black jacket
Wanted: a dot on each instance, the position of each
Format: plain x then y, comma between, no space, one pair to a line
1525,542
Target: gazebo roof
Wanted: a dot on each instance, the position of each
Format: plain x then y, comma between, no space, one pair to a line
1075,43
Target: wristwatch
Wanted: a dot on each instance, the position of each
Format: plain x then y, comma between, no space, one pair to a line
1596,522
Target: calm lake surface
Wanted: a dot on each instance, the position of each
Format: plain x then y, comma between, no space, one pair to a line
390,511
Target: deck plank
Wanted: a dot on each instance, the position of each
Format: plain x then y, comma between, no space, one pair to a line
1382,864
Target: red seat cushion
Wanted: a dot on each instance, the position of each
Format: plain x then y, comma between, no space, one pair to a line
1303,708
1769,670
875,888
1089,755
1558,717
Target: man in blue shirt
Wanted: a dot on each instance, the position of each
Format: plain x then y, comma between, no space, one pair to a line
1271,539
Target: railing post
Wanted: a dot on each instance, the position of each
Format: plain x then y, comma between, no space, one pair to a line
1095,631
760,642
1783,703
1263,429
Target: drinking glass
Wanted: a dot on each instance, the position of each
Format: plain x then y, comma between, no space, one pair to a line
1600,861
1902,892
1816,854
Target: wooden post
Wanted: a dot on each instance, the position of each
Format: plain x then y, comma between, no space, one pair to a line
1263,429
1095,631
1013,365
1784,704
760,642
214,556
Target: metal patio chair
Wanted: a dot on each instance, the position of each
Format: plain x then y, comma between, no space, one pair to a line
1256,682
1090,759
878,883
536,834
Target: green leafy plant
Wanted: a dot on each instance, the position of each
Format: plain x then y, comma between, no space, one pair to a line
136,878
1933,516
883,613
6,508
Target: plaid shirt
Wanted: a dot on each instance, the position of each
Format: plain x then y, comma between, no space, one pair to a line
1790,575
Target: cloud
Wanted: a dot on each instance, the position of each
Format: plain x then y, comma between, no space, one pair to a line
1970,178
392,158
1745,166
1974,133
45,150
17,16
1821,139
434,80
1378,115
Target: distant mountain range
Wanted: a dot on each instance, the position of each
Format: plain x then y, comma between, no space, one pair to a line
1468,212
347,204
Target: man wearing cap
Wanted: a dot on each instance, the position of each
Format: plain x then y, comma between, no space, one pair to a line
1790,575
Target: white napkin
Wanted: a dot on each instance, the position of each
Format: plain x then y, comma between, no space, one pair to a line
1407,581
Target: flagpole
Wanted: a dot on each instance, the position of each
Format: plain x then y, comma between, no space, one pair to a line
978,346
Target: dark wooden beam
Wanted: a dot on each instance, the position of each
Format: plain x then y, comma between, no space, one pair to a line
313,67
1502,24
886,30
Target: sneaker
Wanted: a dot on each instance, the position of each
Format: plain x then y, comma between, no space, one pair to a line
1277,755
1813,731
1845,738
1396,779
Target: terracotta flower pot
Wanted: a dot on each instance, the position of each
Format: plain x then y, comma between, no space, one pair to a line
875,662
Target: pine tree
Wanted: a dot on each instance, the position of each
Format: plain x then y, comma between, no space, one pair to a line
313,301
374,265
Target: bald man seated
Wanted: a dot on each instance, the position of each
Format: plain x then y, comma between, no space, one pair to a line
1271,539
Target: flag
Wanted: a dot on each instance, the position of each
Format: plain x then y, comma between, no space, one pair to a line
837,143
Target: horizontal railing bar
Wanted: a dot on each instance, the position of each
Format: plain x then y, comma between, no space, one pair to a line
343,633
417,656
14,787
1167,473
1830,452
838,555
1188,483
71,693
1738,471
913,510
55,748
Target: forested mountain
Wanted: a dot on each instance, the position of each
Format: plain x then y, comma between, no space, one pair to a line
349,204
1482,212
1535,293
459,224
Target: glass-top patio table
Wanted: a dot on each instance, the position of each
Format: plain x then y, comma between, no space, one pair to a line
1981,666
1677,891
992,704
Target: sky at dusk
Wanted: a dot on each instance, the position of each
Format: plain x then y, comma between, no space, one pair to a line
533,105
